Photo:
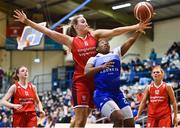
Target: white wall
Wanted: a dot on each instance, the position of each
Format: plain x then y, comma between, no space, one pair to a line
165,33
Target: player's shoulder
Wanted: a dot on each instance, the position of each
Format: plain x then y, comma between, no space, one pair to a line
117,51
31,85
91,60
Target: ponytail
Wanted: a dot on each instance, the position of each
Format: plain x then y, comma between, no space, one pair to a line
15,78
71,31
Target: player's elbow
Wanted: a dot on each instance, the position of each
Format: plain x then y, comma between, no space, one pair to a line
87,72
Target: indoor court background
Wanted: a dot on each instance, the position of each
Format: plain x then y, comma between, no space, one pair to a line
51,66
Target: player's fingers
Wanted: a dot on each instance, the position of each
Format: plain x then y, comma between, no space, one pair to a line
18,11
16,16
148,27
16,20
23,13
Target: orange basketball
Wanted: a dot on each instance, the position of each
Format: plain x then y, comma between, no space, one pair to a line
143,11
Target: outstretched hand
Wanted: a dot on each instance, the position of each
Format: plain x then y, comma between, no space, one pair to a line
144,25
20,16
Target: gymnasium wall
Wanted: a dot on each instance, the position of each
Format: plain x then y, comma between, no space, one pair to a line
48,60
165,33
2,28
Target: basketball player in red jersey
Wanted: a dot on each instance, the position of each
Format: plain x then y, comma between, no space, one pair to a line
81,40
159,94
24,100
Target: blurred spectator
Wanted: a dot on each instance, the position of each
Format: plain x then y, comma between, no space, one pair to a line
174,55
144,81
153,55
165,60
175,46
48,122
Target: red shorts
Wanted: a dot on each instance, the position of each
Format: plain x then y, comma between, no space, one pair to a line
25,119
162,122
82,95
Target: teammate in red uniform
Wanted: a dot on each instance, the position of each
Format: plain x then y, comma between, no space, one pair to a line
81,40
159,94
24,100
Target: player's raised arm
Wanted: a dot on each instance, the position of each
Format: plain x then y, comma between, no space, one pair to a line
127,45
60,38
109,33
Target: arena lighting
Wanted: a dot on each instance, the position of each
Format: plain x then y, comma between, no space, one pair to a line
37,60
121,6
148,0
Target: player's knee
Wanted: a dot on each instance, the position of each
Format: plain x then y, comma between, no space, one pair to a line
117,116
80,122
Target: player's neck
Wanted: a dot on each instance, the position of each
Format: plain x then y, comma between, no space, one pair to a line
23,82
157,82
82,35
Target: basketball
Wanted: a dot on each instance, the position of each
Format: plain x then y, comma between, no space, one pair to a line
143,11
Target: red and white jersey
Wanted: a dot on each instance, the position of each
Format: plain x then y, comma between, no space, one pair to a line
82,50
159,102
24,96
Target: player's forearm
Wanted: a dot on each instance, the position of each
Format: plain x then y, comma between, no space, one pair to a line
127,45
6,103
38,27
141,107
39,105
122,30
175,108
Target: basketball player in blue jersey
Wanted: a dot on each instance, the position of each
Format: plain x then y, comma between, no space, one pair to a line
108,97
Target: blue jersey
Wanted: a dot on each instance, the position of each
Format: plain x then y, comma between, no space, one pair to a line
107,79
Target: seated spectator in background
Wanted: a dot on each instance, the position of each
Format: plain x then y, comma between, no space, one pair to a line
165,60
144,81
138,62
174,55
153,55
175,46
